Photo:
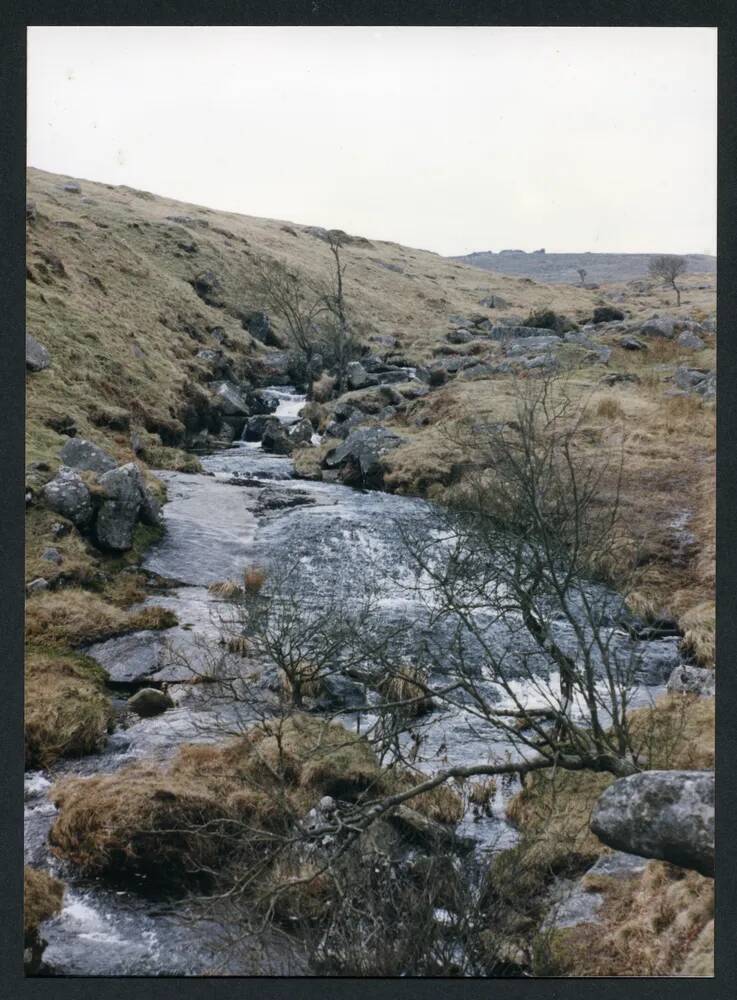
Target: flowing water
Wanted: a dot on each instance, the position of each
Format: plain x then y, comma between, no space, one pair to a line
335,537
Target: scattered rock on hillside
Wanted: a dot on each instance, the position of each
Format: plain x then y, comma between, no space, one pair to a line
67,495
209,288
52,555
517,347
149,702
614,378
691,341
696,380
37,357
668,815
633,344
692,680
37,585
78,453
73,187
31,211
658,326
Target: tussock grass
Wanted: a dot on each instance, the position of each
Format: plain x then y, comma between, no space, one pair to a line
254,579
408,684
322,388
151,818
308,460
42,898
216,805
66,710
229,590
610,408
660,924
72,617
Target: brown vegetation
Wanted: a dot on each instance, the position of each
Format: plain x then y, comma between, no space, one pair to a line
658,924
42,899
200,809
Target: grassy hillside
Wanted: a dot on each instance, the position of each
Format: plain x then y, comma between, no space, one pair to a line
110,295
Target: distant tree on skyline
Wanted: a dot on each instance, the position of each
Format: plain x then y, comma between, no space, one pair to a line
667,268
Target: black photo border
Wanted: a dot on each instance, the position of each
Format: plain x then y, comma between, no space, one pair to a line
14,19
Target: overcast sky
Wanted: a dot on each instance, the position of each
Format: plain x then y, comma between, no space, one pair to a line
450,139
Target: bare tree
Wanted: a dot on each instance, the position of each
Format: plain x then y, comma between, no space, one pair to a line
582,274
298,304
519,641
668,267
341,345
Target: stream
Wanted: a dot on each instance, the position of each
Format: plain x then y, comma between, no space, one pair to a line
336,537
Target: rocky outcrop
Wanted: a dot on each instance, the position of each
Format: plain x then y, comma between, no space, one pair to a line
276,439
360,457
668,815
696,381
110,511
79,453
125,502
209,288
259,326
232,400
37,357
68,496
686,679
301,432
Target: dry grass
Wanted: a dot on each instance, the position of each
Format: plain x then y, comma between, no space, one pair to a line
211,804
610,409
254,579
659,924
71,617
66,710
148,818
408,684
42,898
322,388
308,460
229,590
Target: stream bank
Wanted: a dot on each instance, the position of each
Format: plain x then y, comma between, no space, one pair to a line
245,509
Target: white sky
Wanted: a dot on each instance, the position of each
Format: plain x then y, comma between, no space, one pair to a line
450,139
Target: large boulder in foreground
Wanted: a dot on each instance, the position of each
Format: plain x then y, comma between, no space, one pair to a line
667,815
361,456
125,501
37,357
